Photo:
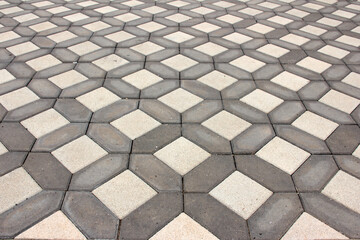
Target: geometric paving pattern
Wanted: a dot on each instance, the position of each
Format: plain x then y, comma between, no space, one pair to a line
179,119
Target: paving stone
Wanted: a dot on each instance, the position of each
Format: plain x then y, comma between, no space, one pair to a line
160,111
220,220
98,172
287,112
47,171
344,139
30,212
90,215
114,111
273,219
72,110
11,160
29,110
202,111
348,163
15,137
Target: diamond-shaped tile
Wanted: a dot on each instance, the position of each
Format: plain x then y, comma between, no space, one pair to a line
15,187
44,123
79,153
5,76
87,3
11,10
43,62
206,27
280,20
154,9
110,62
179,37
142,79
248,64
67,79
340,101
344,189
334,51
211,49
202,10
106,9
178,17
295,39
224,4
313,30
57,10
273,50
178,3
237,38
25,17
124,193
297,13
147,48
313,64
96,26
290,81
42,26
151,26
76,17
250,11
315,125
269,5
226,125
260,28
183,227
344,14
22,48
283,155
349,40
135,124
62,36
180,100
7,36
179,62
241,194
329,22
127,17
97,99
217,80
119,36
262,100
230,18
17,98
84,48
182,155
132,3
313,6
351,79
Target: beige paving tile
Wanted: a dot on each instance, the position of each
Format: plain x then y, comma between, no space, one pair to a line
124,193
283,155
96,26
5,76
280,20
349,40
180,100
262,100
313,64
230,18
3,149
217,80
7,36
97,99
297,13
132,3
248,64
56,226
151,26
241,194
352,79
226,125
22,48
179,62
110,62
42,4
15,187
315,125
147,48
237,38
340,101
154,9
135,124
44,123
79,153
183,227
203,10
43,62
307,227
224,4
106,9
84,48
313,6
250,11
269,5
11,10
290,81
179,37
329,22
18,98
120,36
68,79
57,10
178,4
273,50
127,17
206,27
295,39
356,153
334,51
142,79
178,17
62,36
182,155
26,17
211,49
344,14
344,189
313,30
87,3
43,26
260,28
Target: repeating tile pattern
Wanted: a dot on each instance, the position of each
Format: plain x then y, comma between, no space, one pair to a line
179,119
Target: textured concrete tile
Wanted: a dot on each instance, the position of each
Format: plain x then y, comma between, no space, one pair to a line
72,110
15,137
340,101
18,98
262,100
90,215
287,112
344,140
175,98
97,99
159,111
11,160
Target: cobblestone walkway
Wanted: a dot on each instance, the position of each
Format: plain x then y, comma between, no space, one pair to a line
183,119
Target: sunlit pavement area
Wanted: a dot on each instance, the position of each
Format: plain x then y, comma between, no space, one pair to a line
184,119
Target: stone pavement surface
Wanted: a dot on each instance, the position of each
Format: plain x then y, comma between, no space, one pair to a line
179,119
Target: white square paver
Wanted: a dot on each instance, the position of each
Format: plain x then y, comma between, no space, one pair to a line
241,194
179,37
248,64
151,26
180,100
344,14
106,9
280,20
283,155
142,79
76,17
250,11
127,17
96,26
44,123
84,48
237,38
67,79
217,80
5,76
178,18
62,36
25,17
124,193
147,48
290,81
182,155
344,189
132,3
43,26
223,4
183,227
135,124
262,100
308,227
43,62
179,62
295,39
119,36
260,28
315,125
7,36
269,5
97,99
340,101
11,10
229,18
15,187
313,6
18,98
226,125
57,10
154,9
313,64
178,3
313,30
329,22
349,40
22,48
202,10
206,27
110,62
273,50
297,13
211,49
351,79
334,51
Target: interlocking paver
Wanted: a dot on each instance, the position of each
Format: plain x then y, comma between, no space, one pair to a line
214,119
